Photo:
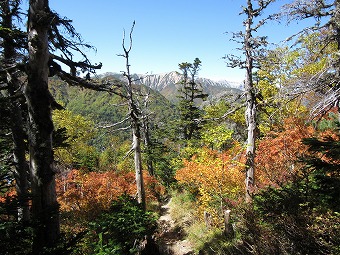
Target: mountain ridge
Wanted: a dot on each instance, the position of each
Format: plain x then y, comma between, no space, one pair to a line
175,76
168,84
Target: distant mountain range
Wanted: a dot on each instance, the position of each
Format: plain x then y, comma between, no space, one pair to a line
168,83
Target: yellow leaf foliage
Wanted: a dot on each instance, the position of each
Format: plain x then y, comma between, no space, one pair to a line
79,131
216,177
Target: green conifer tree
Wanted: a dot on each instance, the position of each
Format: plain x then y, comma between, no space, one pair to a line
190,113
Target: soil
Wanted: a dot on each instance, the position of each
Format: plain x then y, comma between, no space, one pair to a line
171,239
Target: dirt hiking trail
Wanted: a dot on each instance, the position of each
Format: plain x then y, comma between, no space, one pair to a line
171,238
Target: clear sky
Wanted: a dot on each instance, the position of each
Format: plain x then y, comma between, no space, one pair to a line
167,32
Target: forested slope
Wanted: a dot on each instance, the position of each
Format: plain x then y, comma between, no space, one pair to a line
106,108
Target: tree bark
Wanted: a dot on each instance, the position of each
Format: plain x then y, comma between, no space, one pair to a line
250,113
17,126
228,227
147,136
135,117
138,164
337,20
45,209
336,23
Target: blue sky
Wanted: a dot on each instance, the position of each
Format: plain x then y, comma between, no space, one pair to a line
166,33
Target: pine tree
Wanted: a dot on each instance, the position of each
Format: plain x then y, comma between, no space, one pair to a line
190,91
324,170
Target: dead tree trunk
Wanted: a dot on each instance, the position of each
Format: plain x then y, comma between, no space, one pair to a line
147,138
138,162
207,219
228,227
250,113
135,118
45,209
253,47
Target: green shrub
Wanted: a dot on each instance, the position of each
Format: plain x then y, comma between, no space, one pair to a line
121,227
15,238
300,225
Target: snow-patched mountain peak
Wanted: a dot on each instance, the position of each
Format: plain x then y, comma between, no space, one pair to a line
160,81
168,83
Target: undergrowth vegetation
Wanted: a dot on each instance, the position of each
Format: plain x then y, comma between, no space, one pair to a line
119,229
292,212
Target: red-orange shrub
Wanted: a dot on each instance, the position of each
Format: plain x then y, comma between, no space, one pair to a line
87,194
277,154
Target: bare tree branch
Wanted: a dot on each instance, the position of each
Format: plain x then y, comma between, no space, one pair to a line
72,64
115,124
111,87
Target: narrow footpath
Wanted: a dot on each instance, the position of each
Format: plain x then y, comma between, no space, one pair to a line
171,238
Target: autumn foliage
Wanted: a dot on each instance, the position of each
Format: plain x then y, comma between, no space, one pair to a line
8,202
215,177
87,194
278,153
8,196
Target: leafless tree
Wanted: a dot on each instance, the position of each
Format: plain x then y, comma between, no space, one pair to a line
48,48
135,117
44,201
253,49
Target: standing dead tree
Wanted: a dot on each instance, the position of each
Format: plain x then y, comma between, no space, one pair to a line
125,90
48,48
253,49
147,135
51,42
135,116
135,119
45,209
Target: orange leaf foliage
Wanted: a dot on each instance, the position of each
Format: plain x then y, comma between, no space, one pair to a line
8,196
277,154
90,193
217,177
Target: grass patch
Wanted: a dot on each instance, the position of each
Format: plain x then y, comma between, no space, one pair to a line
182,209
199,235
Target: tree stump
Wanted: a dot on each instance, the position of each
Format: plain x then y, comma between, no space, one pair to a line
228,227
